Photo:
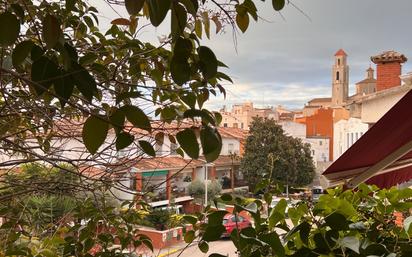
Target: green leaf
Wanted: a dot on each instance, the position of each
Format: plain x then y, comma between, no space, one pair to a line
251,8
188,142
94,133
123,140
337,221
278,4
147,148
407,225
277,213
178,19
226,197
213,232
117,119
242,22
203,246
216,217
64,87
206,23
189,236
158,10
84,81
183,48
191,6
51,31
21,52
9,27
133,7
211,143
88,58
180,70
43,72
350,242
191,219
273,240
208,62
198,28
137,117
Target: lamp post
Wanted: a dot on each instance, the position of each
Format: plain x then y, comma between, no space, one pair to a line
206,171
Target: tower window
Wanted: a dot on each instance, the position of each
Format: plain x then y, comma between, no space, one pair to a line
338,61
337,75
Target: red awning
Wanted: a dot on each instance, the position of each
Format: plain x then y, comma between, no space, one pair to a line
383,155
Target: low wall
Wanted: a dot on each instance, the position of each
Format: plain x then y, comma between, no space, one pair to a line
165,238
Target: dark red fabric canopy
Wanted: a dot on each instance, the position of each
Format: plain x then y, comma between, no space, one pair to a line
383,140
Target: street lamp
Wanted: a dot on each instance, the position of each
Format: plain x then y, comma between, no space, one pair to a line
207,164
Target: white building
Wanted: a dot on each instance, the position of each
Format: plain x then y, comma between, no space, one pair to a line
346,133
319,148
294,129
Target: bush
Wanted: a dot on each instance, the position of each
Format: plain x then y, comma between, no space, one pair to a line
197,189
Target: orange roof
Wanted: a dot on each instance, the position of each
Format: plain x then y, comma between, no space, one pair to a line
236,133
159,163
341,52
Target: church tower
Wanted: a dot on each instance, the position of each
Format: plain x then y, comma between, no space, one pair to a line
340,79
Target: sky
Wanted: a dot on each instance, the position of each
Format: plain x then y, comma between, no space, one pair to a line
286,59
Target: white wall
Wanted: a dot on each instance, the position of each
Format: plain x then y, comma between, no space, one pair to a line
230,145
294,129
346,133
319,147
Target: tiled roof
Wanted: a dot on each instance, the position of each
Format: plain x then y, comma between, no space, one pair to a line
367,81
340,52
320,99
160,163
389,56
236,133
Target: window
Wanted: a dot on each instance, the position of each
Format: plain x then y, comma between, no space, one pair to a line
320,142
313,152
338,61
225,125
337,75
230,148
173,148
351,139
241,125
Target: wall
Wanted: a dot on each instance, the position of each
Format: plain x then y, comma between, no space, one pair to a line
319,147
294,129
373,109
346,133
225,146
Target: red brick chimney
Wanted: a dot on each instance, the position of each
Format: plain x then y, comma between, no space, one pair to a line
389,68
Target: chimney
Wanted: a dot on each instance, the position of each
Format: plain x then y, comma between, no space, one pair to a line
389,68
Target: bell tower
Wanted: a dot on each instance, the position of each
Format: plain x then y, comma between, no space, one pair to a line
340,79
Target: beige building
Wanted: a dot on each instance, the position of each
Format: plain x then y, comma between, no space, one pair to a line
241,115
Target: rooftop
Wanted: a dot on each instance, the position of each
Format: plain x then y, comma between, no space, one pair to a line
389,56
341,52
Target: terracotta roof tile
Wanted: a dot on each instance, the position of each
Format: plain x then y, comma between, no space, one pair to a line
341,52
389,56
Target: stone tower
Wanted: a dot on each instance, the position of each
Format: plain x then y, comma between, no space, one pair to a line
340,79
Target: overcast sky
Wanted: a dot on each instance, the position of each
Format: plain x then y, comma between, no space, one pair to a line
288,61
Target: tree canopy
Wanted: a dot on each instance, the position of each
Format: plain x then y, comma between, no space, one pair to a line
271,153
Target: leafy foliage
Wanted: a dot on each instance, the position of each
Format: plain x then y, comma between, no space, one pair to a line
270,153
343,223
197,189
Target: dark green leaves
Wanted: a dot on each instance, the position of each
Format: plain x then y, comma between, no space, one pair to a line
123,140
179,19
278,4
211,143
133,7
179,66
158,10
51,31
84,81
43,72
137,117
208,62
21,52
10,29
242,22
94,133
189,236
147,148
64,87
188,142
337,221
